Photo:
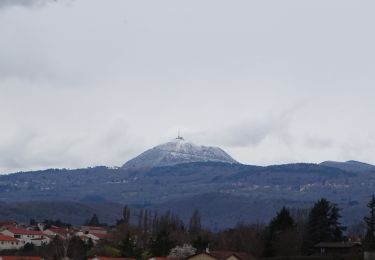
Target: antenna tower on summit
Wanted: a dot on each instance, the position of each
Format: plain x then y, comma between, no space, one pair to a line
179,137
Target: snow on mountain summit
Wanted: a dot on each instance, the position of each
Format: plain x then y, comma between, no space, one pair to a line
178,151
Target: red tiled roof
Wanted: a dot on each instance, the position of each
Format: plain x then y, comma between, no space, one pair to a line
7,238
110,258
163,258
93,228
22,231
222,255
21,258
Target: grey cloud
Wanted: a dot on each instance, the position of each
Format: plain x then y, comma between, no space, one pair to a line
254,132
25,3
65,50
13,151
360,149
318,142
248,133
70,71
33,150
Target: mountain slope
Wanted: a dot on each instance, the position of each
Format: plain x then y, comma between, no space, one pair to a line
178,151
71,212
350,166
173,186
220,210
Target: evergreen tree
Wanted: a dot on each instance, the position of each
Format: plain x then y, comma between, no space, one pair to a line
323,225
126,215
369,242
145,231
336,228
140,219
278,226
195,223
318,222
94,221
282,221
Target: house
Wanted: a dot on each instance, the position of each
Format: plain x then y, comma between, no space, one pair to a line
108,258
57,231
92,229
34,237
21,258
93,233
221,255
94,237
163,258
9,242
99,236
348,250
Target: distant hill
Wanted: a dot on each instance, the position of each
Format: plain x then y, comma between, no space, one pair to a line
230,191
350,166
181,176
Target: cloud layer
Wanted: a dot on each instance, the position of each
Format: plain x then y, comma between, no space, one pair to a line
89,83
25,3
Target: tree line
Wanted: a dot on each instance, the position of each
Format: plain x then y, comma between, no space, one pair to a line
290,232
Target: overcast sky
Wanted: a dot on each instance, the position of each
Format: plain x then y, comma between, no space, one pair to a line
96,82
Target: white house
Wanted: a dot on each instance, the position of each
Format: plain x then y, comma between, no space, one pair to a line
34,237
8,242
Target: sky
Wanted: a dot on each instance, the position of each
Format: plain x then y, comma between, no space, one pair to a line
96,82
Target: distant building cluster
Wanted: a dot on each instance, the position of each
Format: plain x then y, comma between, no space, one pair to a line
14,236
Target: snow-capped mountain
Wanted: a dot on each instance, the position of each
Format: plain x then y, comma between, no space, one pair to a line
178,151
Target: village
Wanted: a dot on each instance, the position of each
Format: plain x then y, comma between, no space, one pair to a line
16,236
155,236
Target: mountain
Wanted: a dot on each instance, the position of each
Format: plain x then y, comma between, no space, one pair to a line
350,166
224,192
178,151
